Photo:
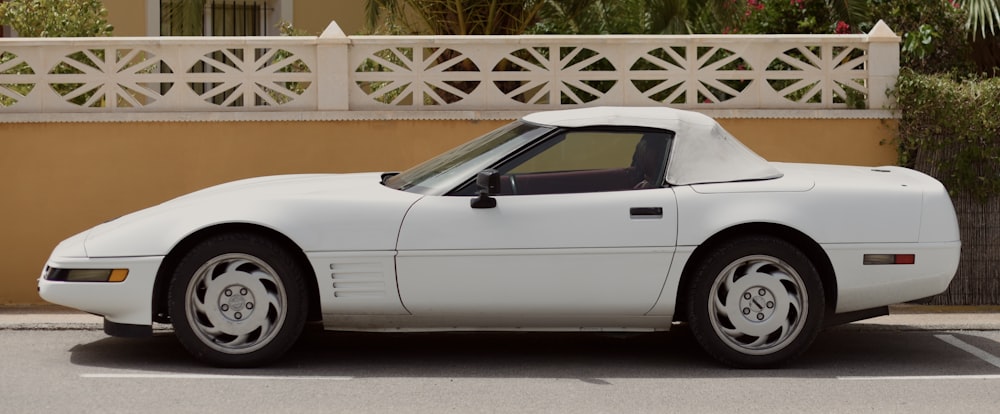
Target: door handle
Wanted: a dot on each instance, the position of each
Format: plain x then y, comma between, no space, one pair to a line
646,212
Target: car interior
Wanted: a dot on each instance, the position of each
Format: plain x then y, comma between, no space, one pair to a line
581,161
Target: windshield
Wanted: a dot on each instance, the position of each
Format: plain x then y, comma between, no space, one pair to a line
449,170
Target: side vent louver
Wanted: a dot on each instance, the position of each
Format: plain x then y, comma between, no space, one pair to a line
358,280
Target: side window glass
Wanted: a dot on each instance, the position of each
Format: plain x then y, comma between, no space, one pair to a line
589,161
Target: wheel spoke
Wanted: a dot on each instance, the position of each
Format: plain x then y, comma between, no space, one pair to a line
266,325
732,332
759,342
231,341
234,265
756,266
794,303
730,279
783,277
262,275
273,300
210,330
720,308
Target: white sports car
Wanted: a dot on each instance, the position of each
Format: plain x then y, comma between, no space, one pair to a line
596,219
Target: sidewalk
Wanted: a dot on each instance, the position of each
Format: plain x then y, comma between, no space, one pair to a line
901,317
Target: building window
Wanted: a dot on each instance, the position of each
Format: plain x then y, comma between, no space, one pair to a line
218,17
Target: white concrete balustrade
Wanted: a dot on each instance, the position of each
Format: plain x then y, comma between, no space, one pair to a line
334,72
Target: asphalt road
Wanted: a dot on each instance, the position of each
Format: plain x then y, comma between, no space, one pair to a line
879,368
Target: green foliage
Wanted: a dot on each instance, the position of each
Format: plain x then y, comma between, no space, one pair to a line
593,17
56,18
787,16
935,39
287,29
502,17
951,129
298,66
983,14
449,17
922,42
804,16
856,14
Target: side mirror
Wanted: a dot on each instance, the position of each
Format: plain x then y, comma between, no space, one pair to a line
488,182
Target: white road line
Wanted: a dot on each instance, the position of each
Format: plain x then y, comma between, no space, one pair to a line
979,353
213,377
923,377
953,341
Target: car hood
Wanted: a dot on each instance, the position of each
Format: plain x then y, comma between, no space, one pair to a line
281,186
319,212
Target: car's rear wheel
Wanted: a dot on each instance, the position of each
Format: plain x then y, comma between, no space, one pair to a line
238,300
755,302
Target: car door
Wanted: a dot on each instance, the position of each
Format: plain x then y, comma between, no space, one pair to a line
568,236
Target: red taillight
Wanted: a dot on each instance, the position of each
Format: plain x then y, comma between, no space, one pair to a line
890,259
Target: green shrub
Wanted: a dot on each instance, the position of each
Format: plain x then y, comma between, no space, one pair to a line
951,129
56,18
934,36
788,16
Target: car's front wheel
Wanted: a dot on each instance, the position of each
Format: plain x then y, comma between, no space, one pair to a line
755,302
238,300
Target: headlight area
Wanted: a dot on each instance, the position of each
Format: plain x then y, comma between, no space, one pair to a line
118,288
85,275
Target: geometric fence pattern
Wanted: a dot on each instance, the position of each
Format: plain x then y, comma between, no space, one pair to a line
533,72
439,73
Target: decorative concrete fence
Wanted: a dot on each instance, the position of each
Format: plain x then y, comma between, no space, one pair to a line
93,128
334,72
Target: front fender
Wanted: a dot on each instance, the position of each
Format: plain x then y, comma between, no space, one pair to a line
314,223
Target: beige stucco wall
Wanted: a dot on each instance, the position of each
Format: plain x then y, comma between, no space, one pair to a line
314,15
57,179
127,16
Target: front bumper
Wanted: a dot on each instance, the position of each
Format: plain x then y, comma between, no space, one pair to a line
124,303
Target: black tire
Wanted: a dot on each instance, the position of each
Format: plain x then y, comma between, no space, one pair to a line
238,300
755,302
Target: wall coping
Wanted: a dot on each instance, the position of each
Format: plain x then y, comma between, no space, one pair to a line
323,116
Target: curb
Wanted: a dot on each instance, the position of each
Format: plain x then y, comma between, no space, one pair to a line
901,318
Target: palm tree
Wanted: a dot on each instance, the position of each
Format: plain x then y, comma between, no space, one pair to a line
852,12
982,14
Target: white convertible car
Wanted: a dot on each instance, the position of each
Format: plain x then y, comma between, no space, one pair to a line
596,219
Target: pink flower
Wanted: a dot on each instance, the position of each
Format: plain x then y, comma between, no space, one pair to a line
801,4
842,28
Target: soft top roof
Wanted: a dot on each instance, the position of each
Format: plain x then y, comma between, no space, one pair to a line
703,152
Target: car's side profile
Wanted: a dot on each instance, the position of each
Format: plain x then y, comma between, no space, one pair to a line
610,219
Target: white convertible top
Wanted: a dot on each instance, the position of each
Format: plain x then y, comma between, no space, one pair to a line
703,152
